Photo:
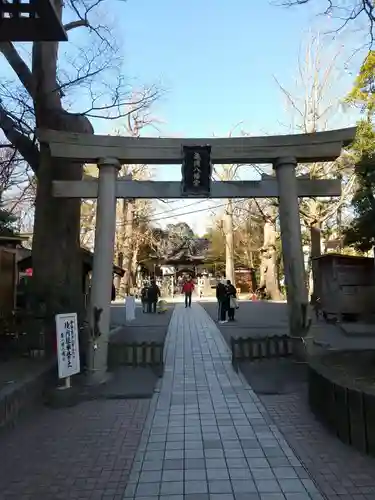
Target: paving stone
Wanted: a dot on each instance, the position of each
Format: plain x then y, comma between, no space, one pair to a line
172,488
210,432
172,475
292,486
174,454
217,474
195,475
219,486
267,486
247,496
222,496
263,473
240,474
150,477
216,463
148,489
197,496
274,496
171,497
172,464
149,465
243,486
285,473
197,486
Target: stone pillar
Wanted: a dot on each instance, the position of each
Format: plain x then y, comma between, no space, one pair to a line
102,275
291,239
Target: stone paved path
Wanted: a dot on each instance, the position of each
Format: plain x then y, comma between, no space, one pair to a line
79,453
207,435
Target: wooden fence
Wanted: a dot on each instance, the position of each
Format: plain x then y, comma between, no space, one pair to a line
135,354
252,348
348,413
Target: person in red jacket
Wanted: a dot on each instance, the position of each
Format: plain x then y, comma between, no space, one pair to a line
188,289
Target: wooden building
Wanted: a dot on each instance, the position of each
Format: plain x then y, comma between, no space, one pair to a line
345,285
9,248
25,266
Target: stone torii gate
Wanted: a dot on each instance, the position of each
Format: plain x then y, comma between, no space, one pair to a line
283,152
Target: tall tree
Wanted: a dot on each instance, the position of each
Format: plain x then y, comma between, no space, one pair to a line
228,173
313,105
361,232
248,233
269,256
46,77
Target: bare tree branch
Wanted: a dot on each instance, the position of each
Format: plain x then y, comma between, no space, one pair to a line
19,66
76,24
346,11
23,144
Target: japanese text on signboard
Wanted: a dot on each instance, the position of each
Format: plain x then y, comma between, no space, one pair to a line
67,344
196,170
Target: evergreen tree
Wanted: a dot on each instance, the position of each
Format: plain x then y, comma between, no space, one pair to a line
361,232
7,223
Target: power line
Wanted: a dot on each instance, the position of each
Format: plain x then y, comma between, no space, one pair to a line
157,219
177,208
190,213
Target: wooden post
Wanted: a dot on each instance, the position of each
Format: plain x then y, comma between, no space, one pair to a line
101,289
291,238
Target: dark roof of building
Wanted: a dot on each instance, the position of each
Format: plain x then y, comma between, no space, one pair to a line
87,259
11,239
191,250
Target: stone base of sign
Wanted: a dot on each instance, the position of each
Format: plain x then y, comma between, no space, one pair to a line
299,349
62,397
93,379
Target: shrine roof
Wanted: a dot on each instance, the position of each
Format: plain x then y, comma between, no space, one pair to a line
191,250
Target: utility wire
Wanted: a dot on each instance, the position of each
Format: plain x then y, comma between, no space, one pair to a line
190,213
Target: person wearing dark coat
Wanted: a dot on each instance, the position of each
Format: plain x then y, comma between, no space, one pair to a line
232,295
144,298
223,302
153,295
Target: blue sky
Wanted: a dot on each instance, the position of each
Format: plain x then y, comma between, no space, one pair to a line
216,60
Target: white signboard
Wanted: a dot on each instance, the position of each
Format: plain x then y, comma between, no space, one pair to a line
67,344
167,270
130,308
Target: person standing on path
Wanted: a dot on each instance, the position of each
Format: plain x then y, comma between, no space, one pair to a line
188,289
144,298
153,296
232,300
222,299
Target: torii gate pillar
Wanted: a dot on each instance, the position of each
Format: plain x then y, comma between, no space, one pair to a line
102,275
291,238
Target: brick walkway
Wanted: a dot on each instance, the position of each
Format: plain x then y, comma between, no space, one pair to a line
79,453
207,435
341,472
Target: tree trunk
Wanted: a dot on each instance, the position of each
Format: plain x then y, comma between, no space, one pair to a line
229,243
134,263
120,263
57,261
128,245
268,271
315,251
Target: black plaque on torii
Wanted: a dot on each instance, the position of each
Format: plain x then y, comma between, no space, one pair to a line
196,171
